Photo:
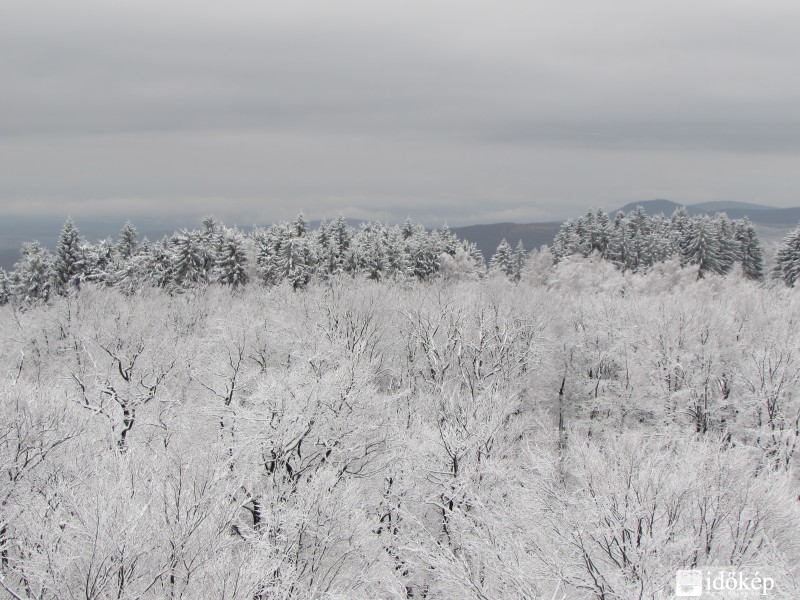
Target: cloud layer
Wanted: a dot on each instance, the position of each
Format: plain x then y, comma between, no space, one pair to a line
461,111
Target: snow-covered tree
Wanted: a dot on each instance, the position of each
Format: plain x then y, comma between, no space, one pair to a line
702,248
188,259
231,262
520,259
101,260
5,291
787,259
128,241
750,252
728,250
32,277
502,260
69,262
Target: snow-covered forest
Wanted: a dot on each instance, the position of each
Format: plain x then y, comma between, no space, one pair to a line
293,252
562,426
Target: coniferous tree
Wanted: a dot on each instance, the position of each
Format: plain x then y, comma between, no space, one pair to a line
69,261
703,248
231,262
477,257
128,241
372,254
447,240
520,257
100,262
188,260
209,242
787,259
727,250
160,267
408,228
341,236
503,260
750,252
32,277
681,224
601,236
663,244
5,292
300,226
424,254
292,262
397,261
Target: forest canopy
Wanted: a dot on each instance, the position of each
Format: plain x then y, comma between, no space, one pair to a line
582,433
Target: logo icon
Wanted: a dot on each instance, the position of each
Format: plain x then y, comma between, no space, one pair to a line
689,583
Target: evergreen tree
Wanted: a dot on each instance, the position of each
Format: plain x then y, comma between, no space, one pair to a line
424,254
702,248
448,242
787,259
232,260
32,277
300,226
373,257
727,248
292,262
408,228
5,292
209,242
188,260
397,260
616,242
638,241
341,236
520,257
681,226
567,241
601,233
503,260
160,264
663,243
69,260
128,241
751,255
477,257
100,262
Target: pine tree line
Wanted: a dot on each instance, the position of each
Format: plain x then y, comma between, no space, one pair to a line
216,254
636,241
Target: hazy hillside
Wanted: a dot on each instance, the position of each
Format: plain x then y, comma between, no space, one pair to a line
487,237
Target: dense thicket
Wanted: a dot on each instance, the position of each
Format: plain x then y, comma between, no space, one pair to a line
581,434
635,242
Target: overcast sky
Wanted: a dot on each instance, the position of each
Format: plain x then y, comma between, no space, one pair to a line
461,111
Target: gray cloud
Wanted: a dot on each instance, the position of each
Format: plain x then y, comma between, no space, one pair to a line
461,111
